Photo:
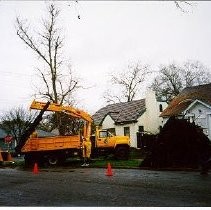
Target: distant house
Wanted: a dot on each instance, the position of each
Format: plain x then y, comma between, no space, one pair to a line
4,146
128,118
2,134
2,142
194,104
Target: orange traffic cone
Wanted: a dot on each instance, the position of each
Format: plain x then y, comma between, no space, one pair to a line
1,158
109,170
35,170
9,157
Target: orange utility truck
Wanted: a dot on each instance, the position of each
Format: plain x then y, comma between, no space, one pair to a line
57,149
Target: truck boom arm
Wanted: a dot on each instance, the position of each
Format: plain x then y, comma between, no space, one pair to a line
31,129
60,108
69,110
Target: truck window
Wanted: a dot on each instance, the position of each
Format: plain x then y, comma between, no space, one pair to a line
103,134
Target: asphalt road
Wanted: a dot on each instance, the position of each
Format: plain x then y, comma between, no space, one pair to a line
91,187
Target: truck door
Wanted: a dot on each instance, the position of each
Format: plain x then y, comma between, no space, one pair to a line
103,139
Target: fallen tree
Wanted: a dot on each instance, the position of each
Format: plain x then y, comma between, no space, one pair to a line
179,144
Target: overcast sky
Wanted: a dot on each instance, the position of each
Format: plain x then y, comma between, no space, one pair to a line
107,37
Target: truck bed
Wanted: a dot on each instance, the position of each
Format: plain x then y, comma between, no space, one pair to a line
52,143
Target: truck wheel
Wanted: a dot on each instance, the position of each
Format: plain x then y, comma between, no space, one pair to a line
122,153
53,160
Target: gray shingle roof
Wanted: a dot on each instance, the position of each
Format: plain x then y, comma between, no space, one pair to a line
121,112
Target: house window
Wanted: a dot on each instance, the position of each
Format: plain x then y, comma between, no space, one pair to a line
126,131
161,107
141,128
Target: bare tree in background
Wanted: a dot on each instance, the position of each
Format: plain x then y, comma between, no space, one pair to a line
16,121
195,73
57,80
173,78
168,83
128,82
182,5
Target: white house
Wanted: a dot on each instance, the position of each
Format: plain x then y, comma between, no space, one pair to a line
128,118
194,104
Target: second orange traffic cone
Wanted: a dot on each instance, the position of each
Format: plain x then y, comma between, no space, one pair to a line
35,170
109,170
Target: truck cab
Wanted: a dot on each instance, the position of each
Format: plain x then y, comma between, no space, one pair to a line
105,142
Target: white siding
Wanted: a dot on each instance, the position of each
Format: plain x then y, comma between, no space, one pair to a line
108,122
201,116
119,130
151,119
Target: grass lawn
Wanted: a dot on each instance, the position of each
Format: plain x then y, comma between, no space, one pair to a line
131,163
100,162
134,161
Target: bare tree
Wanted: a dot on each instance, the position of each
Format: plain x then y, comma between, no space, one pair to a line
58,81
16,121
168,83
182,5
195,73
70,125
173,78
128,82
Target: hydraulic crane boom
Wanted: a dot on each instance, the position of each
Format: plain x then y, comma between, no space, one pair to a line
31,128
69,110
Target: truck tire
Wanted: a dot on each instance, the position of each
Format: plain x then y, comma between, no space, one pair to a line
122,153
53,160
